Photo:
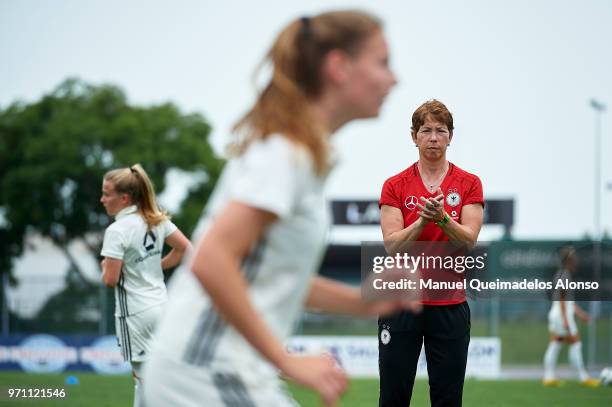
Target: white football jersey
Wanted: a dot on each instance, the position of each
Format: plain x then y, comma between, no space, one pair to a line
569,296
141,284
277,176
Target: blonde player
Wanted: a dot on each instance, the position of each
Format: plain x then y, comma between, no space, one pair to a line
263,233
562,325
133,263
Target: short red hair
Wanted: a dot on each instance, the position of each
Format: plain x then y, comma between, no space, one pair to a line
434,110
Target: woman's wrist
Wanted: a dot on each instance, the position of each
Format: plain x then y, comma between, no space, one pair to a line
422,222
443,220
281,359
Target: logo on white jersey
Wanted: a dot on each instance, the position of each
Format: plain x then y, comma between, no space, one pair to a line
411,202
149,241
453,198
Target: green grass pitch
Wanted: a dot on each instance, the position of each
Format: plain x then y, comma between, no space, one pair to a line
112,391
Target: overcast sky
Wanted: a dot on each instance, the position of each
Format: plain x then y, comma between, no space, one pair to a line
517,75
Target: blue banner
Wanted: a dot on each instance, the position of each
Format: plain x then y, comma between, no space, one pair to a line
43,353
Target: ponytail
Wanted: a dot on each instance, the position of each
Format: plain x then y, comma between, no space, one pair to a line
296,57
135,182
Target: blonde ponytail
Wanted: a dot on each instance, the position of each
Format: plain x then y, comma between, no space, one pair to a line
135,182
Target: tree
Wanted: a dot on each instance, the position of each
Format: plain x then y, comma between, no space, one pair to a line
54,153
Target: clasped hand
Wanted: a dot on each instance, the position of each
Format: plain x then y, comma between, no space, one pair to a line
432,209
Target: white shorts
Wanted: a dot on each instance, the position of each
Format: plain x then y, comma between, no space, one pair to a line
555,326
178,384
135,333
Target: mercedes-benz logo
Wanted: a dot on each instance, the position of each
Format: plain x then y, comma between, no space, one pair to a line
411,202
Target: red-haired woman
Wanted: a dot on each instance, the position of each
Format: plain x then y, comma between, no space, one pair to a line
432,200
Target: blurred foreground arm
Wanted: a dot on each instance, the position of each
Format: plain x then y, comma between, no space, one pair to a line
330,296
216,264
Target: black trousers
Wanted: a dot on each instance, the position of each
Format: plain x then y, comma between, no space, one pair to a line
445,329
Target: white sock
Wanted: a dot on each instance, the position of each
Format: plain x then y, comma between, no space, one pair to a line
550,359
575,357
138,389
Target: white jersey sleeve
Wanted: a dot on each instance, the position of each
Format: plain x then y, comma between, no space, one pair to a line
270,175
115,243
167,228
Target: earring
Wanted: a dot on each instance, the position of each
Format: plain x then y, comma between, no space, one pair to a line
448,145
416,145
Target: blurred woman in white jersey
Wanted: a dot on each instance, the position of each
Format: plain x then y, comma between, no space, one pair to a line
562,325
262,234
133,262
